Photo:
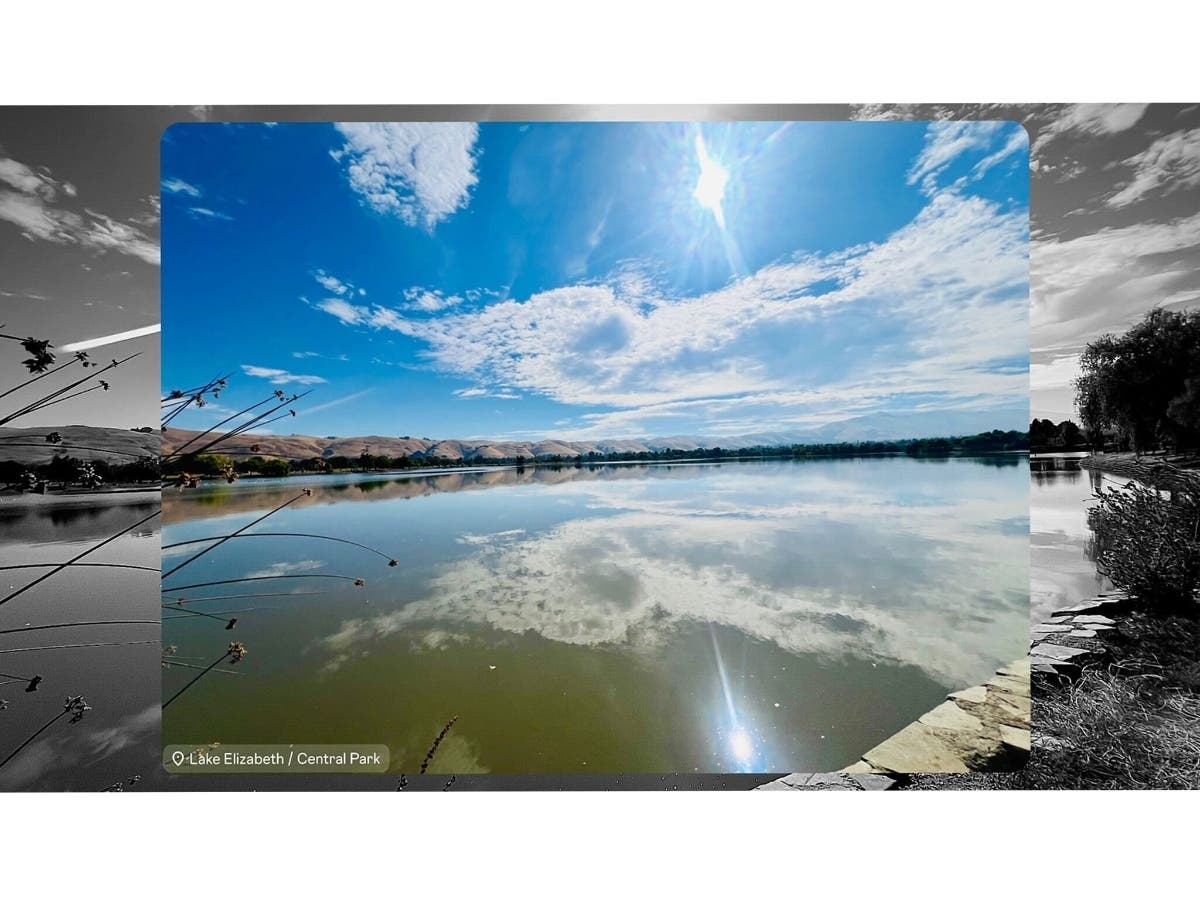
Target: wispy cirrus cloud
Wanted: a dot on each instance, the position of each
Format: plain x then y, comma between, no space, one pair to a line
179,186
420,172
1171,163
281,376
203,212
947,141
1079,120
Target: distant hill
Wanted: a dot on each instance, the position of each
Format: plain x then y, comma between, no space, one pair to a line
876,427
29,447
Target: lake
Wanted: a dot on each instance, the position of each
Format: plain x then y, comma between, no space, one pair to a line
117,739
1063,571
757,616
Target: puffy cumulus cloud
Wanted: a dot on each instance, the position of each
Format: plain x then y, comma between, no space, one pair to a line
952,284
1171,163
421,172
281,376
955,277
656,561
33,205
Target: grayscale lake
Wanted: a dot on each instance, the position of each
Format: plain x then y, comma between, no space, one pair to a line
1061,492
758,616
113,666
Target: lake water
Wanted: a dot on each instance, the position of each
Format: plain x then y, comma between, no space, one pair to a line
1061,492
118,738
709,617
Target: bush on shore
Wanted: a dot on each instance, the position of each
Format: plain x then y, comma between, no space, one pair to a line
1147,544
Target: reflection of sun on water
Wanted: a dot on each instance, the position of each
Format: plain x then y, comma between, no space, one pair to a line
741,746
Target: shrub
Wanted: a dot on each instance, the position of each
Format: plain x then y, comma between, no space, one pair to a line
1147,544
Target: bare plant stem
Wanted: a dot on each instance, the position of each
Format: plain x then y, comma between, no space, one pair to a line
58,447
80,625
436,743
78,557
220,541
29,740
320,537
38,404
188,587
224,656
76,646
172,604
37,378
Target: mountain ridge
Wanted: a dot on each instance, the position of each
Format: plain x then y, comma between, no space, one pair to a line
877,427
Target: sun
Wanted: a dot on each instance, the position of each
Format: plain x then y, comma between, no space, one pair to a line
710,186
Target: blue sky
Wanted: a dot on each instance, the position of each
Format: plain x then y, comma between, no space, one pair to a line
590,280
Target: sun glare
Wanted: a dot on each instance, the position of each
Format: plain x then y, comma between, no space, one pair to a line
742,746
710,186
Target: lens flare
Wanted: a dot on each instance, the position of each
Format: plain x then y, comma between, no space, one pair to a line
710,186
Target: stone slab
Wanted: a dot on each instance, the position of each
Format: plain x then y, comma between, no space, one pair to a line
1010,683
858,768
1094,620
975,694
1017,738
1048,629
1082,633
869,782
777,785
1059,652
1019,668
916,748
951,716
1088,606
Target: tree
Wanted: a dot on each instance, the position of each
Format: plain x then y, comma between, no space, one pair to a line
1141,384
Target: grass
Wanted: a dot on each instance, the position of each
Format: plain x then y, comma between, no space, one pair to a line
1131,720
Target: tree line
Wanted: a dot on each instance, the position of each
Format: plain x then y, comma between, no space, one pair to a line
67,470
222,465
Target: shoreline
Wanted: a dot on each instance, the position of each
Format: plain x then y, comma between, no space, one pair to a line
129,494
429,471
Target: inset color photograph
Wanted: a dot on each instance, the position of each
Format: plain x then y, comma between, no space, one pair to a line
536,448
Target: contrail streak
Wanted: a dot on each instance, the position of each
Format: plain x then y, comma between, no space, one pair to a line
91,343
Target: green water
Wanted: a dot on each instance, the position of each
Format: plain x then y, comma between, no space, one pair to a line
711,617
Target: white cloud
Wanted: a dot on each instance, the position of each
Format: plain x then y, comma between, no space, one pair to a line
667,560
287,568
24,179
1084,120
334,285
1171,163
421,172
946,141
281,376
953,280
425,300
1104,281
206,213
179,186
32,207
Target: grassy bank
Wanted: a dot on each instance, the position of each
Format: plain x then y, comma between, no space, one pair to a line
1130,721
